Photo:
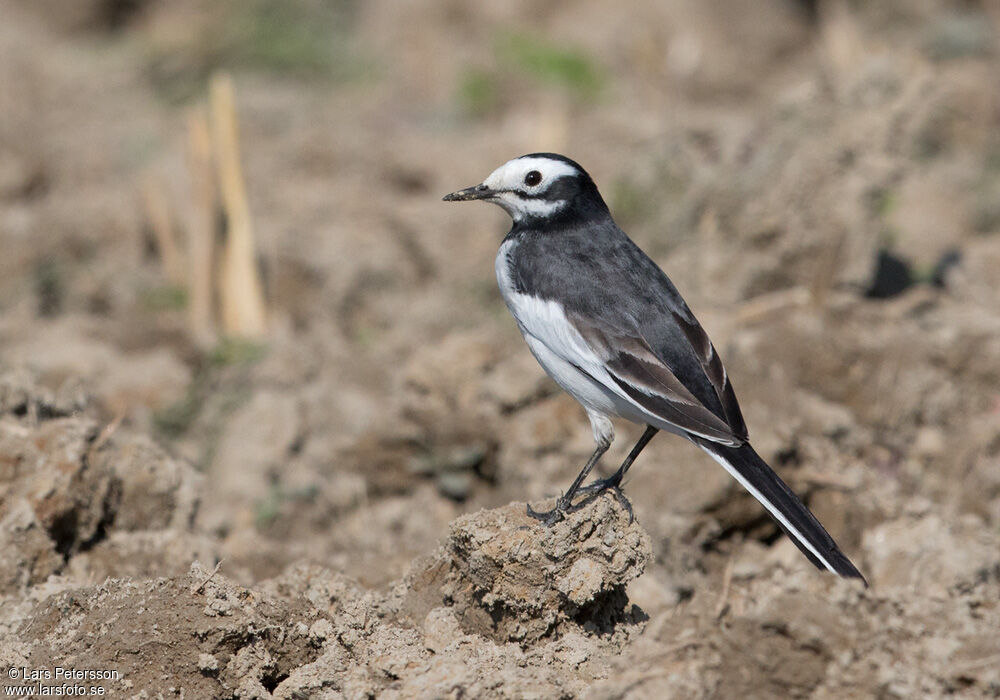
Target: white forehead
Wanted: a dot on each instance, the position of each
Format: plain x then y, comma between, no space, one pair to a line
511,174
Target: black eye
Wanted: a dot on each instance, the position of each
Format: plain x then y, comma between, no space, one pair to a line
532,178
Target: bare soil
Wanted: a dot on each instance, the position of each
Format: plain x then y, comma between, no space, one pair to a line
339,511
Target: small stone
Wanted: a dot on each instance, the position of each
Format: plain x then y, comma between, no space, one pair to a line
321,629
574,649
440,629
455,485
207,663
929,442
582,582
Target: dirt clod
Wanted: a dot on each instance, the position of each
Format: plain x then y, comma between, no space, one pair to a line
337,510
508,577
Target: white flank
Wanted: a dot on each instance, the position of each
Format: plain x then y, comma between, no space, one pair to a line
561,350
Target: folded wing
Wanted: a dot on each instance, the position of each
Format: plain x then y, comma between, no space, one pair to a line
692,393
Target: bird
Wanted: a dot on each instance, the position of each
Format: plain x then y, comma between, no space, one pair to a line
607,324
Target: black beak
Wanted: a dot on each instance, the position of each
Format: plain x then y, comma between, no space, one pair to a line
469,193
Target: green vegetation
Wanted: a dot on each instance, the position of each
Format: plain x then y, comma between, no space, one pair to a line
986,211
959,35
299,38
177,418
50,288
881,201
517,57
562,66
267,510
628,201
653,203
174,420
282,35
479,92
236,351
168,297
986,214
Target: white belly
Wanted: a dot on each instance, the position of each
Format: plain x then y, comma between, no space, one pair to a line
569,360
561,350
581,387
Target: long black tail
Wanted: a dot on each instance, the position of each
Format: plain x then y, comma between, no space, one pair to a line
789,512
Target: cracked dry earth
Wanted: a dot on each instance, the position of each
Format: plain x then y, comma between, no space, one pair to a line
360,481
98,536
501,607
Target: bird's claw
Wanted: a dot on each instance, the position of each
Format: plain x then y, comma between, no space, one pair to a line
564,506
623,501
551,517
612,484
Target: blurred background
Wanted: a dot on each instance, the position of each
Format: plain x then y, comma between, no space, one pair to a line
221,228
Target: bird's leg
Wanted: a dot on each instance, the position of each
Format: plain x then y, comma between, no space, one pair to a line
614,481
556,514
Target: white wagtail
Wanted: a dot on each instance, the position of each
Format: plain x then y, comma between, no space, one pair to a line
611,329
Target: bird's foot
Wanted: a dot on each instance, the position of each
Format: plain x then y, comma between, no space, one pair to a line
551,517
597,486
595,489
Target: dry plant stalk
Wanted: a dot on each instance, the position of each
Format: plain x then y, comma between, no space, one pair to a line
222,285
841,43
158,212
240,292
774,302
201,235
828,264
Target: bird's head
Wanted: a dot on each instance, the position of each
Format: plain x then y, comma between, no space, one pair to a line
538,186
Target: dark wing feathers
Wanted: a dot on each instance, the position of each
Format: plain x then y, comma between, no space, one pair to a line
716,373
643,376
791,515
631,314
